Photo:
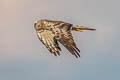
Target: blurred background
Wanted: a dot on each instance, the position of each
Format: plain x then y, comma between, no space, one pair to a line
24,57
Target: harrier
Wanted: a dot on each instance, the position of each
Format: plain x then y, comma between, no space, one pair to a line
51,32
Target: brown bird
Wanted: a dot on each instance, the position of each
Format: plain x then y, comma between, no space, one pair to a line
50,32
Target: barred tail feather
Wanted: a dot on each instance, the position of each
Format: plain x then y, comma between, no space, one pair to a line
81,28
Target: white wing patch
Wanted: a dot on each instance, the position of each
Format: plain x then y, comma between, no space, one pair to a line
47,39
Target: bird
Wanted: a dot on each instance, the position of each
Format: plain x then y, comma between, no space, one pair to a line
50,32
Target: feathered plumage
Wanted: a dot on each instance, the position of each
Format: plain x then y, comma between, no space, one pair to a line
50,32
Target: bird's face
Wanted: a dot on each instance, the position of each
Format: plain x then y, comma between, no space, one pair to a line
38,26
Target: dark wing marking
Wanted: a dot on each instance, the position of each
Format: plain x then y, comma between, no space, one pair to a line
47,38
67,41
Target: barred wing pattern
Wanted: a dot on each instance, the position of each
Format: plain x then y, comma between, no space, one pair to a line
57,31
67,41
47,38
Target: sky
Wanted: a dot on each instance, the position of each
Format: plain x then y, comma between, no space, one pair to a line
24,57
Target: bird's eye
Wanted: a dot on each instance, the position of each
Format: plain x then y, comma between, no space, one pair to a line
38,25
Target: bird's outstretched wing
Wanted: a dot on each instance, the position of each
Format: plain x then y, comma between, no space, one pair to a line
48,39
65,37
67,41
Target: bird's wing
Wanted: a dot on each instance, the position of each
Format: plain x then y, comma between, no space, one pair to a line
66,39
47,38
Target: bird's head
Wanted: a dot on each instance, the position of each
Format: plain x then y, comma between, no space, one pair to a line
38,25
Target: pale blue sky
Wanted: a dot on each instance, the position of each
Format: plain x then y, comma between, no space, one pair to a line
23,56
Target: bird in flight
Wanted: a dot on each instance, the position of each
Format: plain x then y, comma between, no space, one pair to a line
51,32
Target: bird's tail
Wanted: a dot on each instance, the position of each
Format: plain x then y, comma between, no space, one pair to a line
81,28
